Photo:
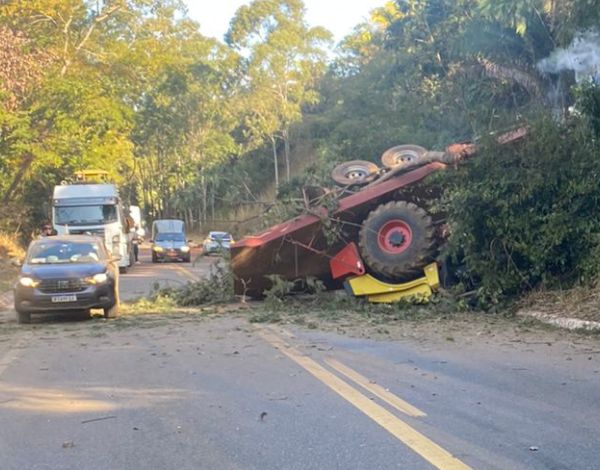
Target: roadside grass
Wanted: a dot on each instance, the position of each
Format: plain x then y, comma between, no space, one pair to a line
443,318
582,303
157,309
10,249
337,305
157,305
8,276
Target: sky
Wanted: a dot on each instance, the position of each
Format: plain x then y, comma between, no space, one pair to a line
338,16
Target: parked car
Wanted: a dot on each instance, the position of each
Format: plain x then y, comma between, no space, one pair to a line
170,246
67,273
216,242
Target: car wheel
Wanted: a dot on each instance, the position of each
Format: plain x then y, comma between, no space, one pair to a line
187,259
23,317
154,260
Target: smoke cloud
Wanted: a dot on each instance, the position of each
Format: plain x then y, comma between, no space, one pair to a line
582,56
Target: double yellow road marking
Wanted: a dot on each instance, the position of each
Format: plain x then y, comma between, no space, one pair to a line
375,389
427,449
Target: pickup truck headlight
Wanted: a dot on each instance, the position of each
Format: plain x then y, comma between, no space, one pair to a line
28,282
158,249
97,278
185,249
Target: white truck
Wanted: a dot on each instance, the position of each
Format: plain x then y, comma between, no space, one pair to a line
95,209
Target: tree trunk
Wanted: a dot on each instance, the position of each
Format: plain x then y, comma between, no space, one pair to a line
276,164
204,198
190,218
286,147
212,202
25,164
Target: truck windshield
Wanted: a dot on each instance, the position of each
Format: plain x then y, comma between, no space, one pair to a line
85,215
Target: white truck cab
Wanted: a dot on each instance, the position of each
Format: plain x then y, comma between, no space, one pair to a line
95,209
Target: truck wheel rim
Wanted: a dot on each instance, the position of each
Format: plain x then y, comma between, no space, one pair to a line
356,172
394,236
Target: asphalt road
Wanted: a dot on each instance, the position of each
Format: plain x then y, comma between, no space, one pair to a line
193,392
142,278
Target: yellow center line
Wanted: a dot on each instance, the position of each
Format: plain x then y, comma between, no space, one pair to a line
375,389
429,450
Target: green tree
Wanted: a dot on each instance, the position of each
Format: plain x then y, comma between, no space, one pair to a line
284,60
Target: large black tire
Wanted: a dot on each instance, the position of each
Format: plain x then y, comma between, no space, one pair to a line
397,240
355,172
154,258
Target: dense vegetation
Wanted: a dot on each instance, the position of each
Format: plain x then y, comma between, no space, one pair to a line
215,132
132,87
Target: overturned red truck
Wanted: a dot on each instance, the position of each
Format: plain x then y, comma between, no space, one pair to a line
378,210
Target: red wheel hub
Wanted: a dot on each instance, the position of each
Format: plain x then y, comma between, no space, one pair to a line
394,236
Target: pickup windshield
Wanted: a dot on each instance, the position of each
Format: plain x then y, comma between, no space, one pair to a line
85,215
58,252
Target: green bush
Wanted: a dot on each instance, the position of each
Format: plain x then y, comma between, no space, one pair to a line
527,214
216,288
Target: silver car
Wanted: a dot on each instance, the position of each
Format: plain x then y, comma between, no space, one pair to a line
216,242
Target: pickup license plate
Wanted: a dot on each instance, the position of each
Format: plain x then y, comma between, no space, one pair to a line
64,298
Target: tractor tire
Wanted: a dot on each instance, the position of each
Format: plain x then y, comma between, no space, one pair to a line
397,240
402,155
355,172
